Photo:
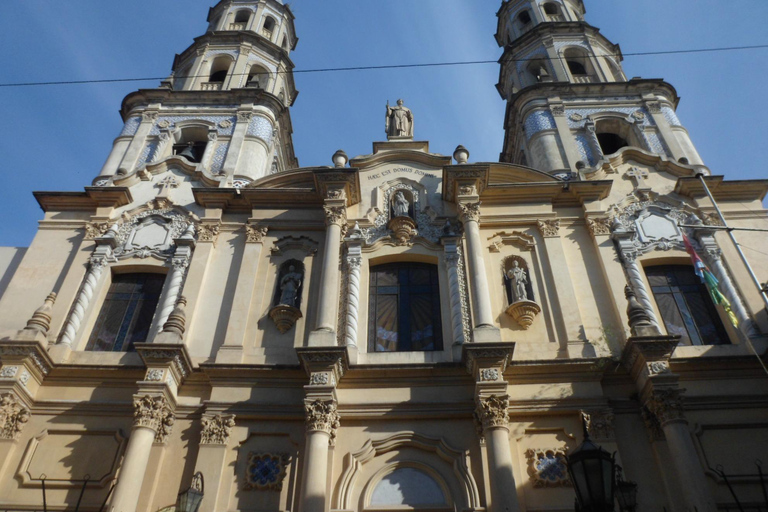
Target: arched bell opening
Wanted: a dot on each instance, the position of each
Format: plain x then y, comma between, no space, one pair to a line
191,143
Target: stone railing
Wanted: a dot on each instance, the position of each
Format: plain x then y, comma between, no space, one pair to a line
555,17
237,26
584,79
266,33
211,86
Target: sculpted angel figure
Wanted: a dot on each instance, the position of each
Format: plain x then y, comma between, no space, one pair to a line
519,279
399,122
289,286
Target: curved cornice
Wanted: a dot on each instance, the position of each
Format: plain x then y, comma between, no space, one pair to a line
168,98
607,165
413,151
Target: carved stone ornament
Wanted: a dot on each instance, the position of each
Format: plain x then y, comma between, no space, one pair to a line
469,212
208,233
41,318
321,379
404,229
489,374
149,233
335,215
265,471
712,219
524,312
600,424
667,405
652,425
13,416
95,229
255,234
549,228
576,117
599,226
8,372
492,411
321,416
285,317
216,428
547,468
558,110
658,367
25,350
154,412
154,375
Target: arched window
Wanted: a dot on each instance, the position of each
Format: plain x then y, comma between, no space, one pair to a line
258,77
614,134
284,43
127,312
524,18
404,308
218,74
538,71
579,65
611,143
243,16
191,143
552,10
269,27
408,487
685,305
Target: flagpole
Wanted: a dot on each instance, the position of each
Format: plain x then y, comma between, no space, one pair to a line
743,257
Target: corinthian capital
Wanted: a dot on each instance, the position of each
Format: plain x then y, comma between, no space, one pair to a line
335,215
322,417
667,405
469,212
491,412
549,228
217,428
153,412
13,416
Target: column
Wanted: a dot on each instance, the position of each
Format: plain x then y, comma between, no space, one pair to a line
638,286
96,267
570,323
137,144
336,217
667,405
172,286
322,422
119,148
451,255
481,297
236,142
211,458
354,264
232,349
152,418
492,413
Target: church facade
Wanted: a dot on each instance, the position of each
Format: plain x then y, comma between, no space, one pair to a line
401,330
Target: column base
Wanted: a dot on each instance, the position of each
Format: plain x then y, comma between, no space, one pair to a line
486,334
322,338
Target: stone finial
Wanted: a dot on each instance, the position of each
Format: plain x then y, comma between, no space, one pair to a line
177,320
340,158
41,318
461,154
639,321
356,233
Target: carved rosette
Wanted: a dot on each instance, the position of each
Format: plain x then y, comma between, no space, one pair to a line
600,425
549,228
13,416
492,412
599,226
524,312
667,406
322,416
255,234
154,412
335,215
469,212
265,471
404,229
217,428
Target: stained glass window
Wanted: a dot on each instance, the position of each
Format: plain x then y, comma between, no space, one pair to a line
127,312
404,309
685,305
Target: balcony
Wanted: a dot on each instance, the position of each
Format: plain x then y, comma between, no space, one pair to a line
211,86
237,26
266,33
584,79
555,17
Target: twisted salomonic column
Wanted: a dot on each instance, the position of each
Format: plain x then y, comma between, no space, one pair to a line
336,217
666,404
450,247
492,415
322,422
95,269
152,419
354,262
638,285
737,305
481,297
171,291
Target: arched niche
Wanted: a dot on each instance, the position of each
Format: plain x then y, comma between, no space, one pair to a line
514,268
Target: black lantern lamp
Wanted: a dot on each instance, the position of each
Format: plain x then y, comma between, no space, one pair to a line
591,469
189,500
626,492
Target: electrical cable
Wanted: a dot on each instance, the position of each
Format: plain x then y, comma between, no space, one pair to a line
391,66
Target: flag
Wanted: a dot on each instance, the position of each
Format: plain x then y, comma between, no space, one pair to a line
710,281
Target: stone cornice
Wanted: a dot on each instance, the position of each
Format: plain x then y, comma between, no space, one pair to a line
739,190
574,193
91,198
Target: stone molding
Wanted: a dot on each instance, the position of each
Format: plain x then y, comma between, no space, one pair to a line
216,428
13,416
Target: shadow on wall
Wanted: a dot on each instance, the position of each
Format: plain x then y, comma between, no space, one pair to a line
10,258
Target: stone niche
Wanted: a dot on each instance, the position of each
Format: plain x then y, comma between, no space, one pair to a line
65,456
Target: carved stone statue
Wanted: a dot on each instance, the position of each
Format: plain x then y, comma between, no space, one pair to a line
289,286
519,279
399,121
400,205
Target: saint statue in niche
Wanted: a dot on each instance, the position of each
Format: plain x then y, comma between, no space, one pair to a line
399,122
519,279
400,205
289,287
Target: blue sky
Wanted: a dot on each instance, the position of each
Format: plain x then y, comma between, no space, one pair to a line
57,138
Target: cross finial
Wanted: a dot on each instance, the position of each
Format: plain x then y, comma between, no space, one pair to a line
166,184
638,177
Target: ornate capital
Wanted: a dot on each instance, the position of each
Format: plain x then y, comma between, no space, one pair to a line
153,412
335,215
13,416
599,226
549,228
667,405
149,116
217,428
244,116
469,212
600,424
491,412
354,262
208,233
321,416
95,229
255,234
558,110
98,262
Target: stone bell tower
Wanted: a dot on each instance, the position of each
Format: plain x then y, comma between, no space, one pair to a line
225,108
569,103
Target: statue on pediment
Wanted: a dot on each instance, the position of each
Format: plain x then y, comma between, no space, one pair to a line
399,121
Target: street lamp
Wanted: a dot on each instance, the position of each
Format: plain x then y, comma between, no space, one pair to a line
626,492
592,470
189,500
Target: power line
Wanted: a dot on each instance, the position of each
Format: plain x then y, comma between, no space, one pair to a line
390,66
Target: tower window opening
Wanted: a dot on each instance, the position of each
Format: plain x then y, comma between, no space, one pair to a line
269,27
576,68
539,72
579,65
551,9
524,18
284,43
218,74
242,18
258,77
191,144
611,143
614,134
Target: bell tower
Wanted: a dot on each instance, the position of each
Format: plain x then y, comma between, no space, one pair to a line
569,103
224,110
